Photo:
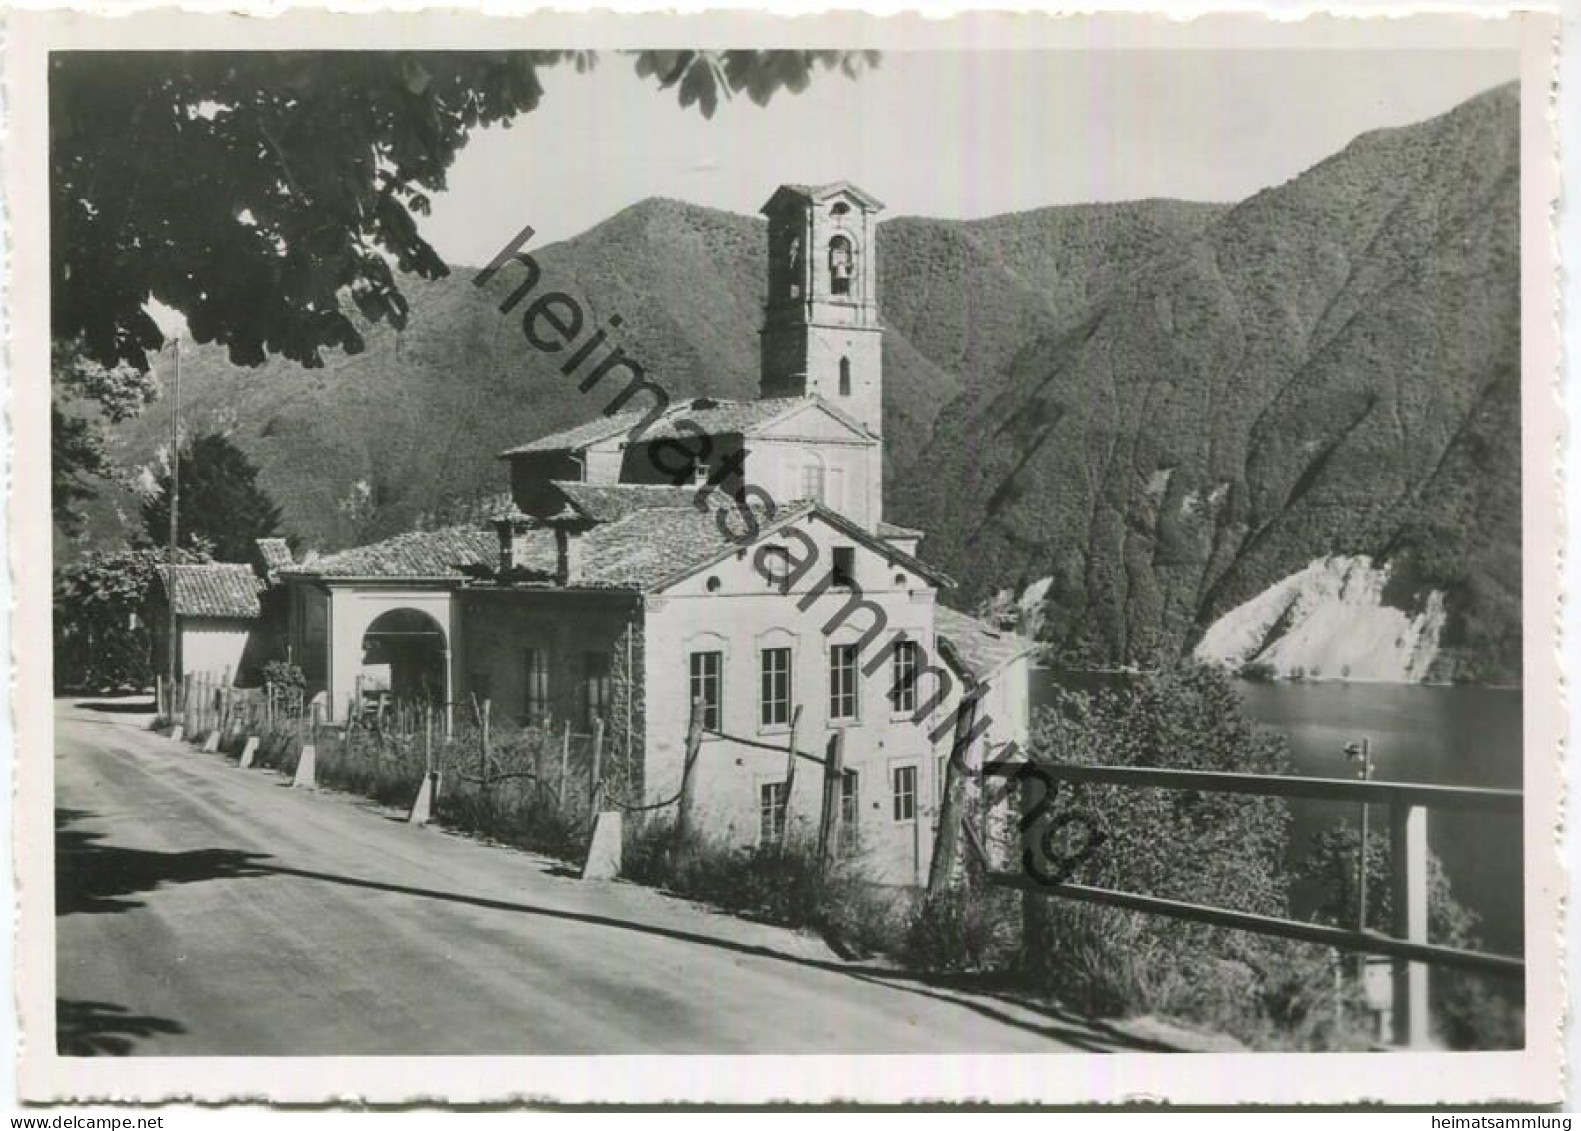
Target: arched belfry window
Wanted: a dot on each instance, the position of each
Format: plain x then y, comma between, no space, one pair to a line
841,264
845,376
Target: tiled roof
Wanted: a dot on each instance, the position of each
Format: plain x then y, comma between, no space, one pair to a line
214,589
612,502
891,530
275,553
649,548
575,439
642,539
419,554
823,192
717,417
707,415
982,648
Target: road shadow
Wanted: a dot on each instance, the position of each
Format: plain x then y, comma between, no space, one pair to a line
1054,1023
93,877
98,1028
123,707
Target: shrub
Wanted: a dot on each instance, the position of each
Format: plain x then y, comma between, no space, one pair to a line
1468,1011
1222,850
778,885
284,675
102,642
967,927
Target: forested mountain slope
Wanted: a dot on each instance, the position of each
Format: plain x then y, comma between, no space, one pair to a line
1331,367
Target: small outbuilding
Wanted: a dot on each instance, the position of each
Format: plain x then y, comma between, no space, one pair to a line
220,621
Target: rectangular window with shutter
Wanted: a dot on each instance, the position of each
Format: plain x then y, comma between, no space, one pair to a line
904,780
844,698
535,684
706,684
775,700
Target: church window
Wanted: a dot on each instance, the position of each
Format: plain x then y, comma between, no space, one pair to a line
707,683
843,571
840,266
843,685
845,376
774,703
812,482
903,676
904,782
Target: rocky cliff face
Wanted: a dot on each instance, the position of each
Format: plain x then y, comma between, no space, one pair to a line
1329,368
1332,620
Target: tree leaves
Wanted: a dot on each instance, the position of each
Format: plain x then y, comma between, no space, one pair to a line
264,194
222,505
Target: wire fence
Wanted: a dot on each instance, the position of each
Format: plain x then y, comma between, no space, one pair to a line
537,784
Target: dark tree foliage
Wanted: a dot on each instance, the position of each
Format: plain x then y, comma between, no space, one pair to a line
1469,1011
254,191
102,642
84,396
222,507
1219,849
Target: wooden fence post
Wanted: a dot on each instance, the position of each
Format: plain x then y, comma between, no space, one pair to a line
595,780
790,775
483,770
694,743
829,820
942,865
1408,901
565,764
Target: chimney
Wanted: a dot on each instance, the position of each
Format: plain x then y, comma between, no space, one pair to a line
508,528
567,554
507,537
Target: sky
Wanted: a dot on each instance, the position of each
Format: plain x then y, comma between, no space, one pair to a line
944,134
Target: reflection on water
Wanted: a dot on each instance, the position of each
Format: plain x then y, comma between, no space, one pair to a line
1435,735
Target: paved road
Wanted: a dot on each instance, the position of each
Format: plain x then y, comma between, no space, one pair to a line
205,909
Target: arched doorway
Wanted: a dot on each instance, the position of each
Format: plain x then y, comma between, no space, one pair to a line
404,652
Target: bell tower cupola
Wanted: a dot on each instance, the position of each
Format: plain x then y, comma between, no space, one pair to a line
821,334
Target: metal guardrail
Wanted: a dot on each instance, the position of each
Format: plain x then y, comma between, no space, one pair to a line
1407,803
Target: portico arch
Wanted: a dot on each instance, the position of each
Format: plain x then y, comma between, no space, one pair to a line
406,652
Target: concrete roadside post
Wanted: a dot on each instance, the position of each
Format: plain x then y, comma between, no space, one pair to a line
423,808
307,764
790,775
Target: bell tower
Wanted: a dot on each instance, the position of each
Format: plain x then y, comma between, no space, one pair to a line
821,334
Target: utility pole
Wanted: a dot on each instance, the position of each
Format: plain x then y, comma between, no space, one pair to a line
175,506
1361,752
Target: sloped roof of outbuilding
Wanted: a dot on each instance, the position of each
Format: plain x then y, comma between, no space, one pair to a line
224,590
980,648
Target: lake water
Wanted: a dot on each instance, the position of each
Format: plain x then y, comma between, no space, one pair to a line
1435,735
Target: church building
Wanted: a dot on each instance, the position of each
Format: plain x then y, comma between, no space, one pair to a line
729,552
